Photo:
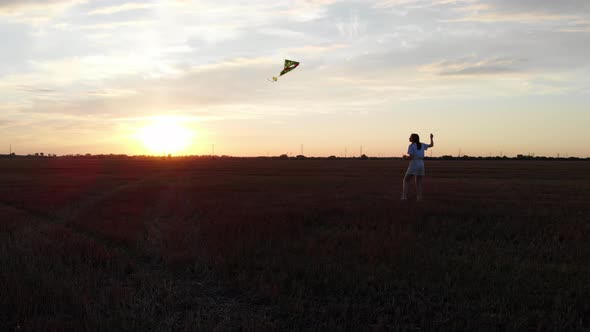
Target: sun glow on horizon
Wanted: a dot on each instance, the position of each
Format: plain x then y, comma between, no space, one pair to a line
165,135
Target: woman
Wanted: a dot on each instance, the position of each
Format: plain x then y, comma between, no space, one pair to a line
416,167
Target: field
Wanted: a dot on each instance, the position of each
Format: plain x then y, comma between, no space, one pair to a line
262,244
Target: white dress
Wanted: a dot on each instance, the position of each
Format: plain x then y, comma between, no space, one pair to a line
416,166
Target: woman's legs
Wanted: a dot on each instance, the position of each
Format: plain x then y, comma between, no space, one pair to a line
418,179
406,185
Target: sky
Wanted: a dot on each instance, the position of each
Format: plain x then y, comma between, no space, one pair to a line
486,77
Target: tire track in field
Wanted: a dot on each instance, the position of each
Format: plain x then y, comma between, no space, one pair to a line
193,293
64,215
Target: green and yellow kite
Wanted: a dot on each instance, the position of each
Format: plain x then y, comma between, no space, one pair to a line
289,65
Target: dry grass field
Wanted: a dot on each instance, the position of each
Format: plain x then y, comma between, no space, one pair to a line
262,244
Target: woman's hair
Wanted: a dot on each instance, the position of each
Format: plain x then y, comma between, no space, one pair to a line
416,139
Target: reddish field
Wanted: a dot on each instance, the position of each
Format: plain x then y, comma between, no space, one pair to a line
260,244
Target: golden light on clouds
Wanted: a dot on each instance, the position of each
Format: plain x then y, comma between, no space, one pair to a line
149,73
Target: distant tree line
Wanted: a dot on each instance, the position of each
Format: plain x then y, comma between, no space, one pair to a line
280,157
518,157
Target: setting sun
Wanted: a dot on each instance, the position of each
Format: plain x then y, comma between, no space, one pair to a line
165,136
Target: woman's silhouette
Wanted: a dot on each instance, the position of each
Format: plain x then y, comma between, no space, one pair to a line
416,167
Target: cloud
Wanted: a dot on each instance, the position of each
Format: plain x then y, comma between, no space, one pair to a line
79,78
305,10
231,89
17,6
141,23
33,89
577,25
421,4
235,63
4,123
110,93
576,29
121,8
35,12
514,17
531,12
468,67
351,28
318,48
562,7
106,86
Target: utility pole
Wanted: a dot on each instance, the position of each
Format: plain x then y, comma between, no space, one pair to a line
361,151
302,149
345,152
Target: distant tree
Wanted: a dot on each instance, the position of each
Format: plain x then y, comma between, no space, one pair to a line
332,157
300,156
283,156
364,157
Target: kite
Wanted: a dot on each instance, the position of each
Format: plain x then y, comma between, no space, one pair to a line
289,65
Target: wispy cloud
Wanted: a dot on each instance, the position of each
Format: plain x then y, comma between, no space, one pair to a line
35,12
13,7
471,66
533,12
121,8
237,62
318,48
577,25
351,28
575,29
415,4
142,23
109,93
513,17
305,10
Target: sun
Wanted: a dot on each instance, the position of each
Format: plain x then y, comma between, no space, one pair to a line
165,135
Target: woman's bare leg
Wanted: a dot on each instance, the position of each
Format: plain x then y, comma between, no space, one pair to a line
406,185
418,180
